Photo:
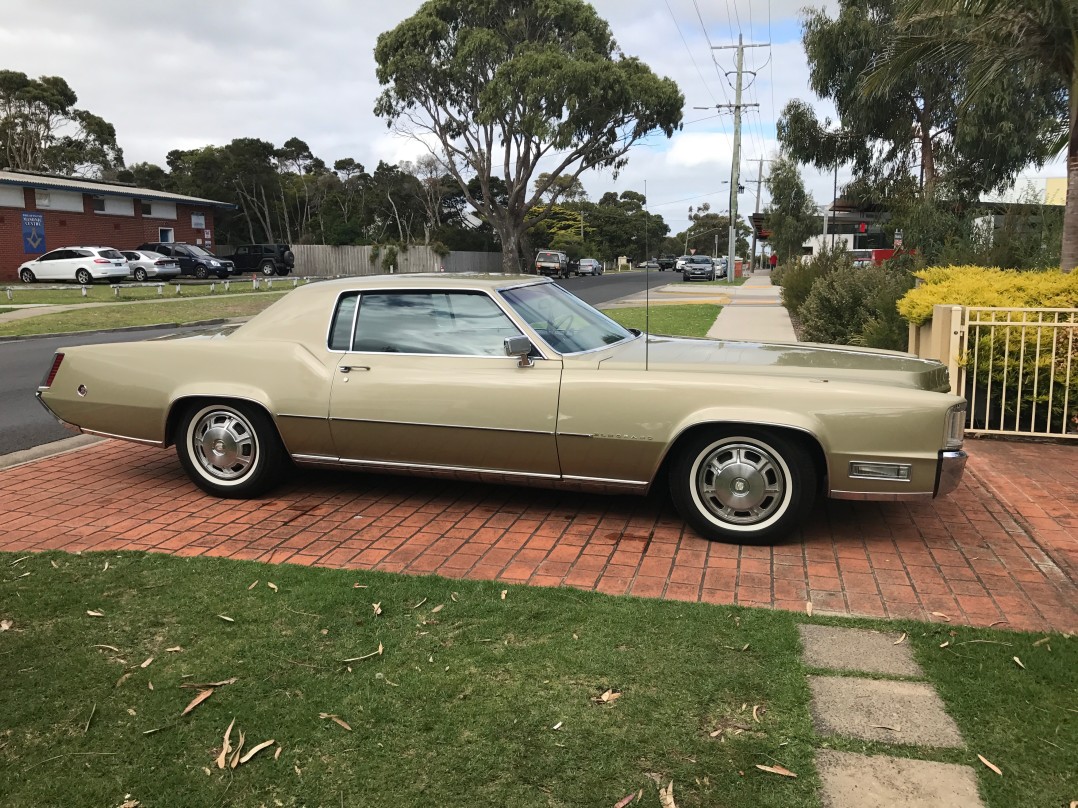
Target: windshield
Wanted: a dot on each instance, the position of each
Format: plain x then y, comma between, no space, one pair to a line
565,322
191,248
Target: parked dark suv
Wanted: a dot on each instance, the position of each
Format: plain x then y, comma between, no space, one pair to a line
193,260
269,259
552,262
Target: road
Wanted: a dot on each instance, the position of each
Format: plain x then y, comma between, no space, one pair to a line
23,363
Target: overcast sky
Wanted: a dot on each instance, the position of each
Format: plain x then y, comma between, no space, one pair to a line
171,74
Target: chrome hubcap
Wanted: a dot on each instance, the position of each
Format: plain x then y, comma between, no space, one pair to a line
740,483
224,444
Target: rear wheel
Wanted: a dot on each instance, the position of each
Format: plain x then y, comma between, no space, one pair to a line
229,449
139,274
742,485
26,276
84,277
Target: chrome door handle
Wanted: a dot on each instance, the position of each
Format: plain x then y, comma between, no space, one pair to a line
350,368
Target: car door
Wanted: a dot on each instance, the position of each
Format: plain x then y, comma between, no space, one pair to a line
423,380
50,265
242,258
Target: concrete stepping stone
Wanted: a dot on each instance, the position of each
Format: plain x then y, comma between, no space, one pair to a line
855,649
880,710
861,781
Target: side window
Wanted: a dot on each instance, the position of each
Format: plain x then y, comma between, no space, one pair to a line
451,323
340,333
55,255
241,251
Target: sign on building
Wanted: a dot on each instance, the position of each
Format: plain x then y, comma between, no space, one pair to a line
33,232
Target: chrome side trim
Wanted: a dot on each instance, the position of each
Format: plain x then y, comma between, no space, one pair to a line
443,426
873,496
574,435
607,481
391,464
144,441
307,417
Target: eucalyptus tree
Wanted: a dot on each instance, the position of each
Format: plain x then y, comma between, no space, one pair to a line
500,87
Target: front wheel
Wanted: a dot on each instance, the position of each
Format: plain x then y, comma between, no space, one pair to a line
742,485
268,269
201,272
84,277
229,450
27,276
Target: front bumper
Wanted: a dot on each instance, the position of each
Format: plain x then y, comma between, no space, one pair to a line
951,467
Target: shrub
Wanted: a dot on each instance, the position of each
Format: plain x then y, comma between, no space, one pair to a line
799,277
857,306
988,286
778,273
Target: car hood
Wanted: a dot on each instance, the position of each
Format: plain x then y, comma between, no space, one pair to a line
802,360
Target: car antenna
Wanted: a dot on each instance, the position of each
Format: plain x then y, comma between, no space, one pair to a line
647,290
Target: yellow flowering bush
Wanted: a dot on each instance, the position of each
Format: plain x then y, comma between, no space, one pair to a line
988,286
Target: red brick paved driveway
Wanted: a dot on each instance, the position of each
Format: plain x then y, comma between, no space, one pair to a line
1002,549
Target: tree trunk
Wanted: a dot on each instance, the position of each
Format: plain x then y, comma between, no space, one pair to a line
1069,253
509,233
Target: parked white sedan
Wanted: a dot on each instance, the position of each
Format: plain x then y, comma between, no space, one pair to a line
145,264
80,264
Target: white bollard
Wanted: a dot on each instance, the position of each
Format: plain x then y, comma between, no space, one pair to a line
213,288
160,290
9,297
226,285
84,291
178,292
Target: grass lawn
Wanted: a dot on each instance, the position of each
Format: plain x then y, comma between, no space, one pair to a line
477,697
689,320
134,314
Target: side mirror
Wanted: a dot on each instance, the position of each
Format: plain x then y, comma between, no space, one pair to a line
520,347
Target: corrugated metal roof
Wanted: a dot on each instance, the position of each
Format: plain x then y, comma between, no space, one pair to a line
50,182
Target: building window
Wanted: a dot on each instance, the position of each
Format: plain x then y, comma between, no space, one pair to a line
165,235
99,204
147,209
42,198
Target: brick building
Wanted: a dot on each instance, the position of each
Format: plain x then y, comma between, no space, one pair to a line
42,212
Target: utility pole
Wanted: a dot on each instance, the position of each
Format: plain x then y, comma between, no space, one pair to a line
759,181
735,167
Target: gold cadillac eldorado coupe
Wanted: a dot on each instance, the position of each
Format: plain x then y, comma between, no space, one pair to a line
511,379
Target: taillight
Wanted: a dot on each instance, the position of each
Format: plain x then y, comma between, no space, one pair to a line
102,261
56,360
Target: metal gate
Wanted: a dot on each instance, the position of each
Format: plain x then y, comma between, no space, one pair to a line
1018,369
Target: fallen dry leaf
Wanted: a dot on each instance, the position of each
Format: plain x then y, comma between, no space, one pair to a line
130,804
204,685
942,616
109,647
945,644
252,586
105,567
197,700
365,656
235,761
453,597
335,719
419,604
122,679
437,608
504,593
756,713
95,613
1018,662
608,697
625,801
226,746
358,585
272,586
277,754
5,625
377,608
256,749
900,639
18,561
776,770
808,608
174,649
558,725
666,796
990,764
146,664
715,733
226,618
1038,643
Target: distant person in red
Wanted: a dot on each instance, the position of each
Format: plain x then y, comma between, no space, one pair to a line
774,260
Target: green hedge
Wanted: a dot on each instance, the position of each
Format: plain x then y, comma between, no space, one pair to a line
856,306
